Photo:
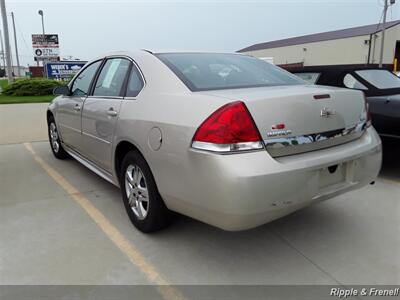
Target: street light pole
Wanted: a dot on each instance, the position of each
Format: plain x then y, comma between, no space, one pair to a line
6,40
16,45
40,12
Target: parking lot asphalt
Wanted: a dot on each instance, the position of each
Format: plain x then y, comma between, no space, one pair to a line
62,224
22,122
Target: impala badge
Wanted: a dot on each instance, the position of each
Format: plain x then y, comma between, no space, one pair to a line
327,112
276,133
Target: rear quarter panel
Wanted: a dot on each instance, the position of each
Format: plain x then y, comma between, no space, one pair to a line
167,104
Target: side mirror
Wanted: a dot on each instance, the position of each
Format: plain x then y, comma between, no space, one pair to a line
61,90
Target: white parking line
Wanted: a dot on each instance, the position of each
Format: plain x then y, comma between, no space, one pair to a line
126,247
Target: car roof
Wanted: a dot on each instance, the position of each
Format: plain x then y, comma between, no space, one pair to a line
334,69
145,52
334,75
159,51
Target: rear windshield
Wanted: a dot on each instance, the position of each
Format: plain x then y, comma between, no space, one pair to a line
210,71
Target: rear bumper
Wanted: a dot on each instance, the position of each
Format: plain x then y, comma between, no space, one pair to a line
241,191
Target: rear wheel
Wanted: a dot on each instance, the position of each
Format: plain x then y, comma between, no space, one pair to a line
143,203
54,140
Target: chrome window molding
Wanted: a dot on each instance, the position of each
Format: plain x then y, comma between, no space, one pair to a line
304,143
130,98
106,97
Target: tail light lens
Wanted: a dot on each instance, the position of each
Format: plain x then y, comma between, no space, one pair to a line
367,112
229,129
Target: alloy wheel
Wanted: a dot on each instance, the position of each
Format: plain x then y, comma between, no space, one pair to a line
54,137
136,191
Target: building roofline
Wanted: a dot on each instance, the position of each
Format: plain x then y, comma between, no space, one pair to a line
323,36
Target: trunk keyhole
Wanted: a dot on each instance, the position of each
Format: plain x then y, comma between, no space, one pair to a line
332,169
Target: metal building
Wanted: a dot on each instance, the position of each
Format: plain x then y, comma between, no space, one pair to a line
352,46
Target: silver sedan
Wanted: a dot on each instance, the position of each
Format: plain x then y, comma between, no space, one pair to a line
227,139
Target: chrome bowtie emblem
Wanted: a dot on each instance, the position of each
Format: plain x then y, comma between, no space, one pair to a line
327,112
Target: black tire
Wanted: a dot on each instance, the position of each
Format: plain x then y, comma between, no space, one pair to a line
158,216
59,151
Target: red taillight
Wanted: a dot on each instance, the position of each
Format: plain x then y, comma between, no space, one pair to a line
368,114
230,128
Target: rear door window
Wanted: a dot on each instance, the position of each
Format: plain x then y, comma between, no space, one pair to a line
135,83
112,77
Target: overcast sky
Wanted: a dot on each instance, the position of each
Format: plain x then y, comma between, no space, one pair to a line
88,28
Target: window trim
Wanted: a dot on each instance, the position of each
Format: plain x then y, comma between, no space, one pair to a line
91,82
95,77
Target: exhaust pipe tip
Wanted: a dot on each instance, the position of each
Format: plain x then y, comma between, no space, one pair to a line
372,183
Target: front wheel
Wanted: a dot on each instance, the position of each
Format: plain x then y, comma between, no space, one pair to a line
143,203
54,140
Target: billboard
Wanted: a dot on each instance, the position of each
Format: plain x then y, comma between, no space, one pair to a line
63,70
45,47
50,40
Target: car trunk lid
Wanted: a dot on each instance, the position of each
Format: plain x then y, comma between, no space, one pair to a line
297,119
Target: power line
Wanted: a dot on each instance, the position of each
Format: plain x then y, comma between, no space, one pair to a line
22,35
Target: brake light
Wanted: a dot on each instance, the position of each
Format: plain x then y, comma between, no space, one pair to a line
367,112
230,128
278,126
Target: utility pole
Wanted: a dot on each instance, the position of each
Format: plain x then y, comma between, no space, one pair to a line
16,45
6,40
385,8
383,33
3,55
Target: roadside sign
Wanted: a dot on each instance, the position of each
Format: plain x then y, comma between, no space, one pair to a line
49,59
50,40
47,52
63,70
45,47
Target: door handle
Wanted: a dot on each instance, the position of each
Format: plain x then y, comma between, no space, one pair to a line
77,107
111,112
